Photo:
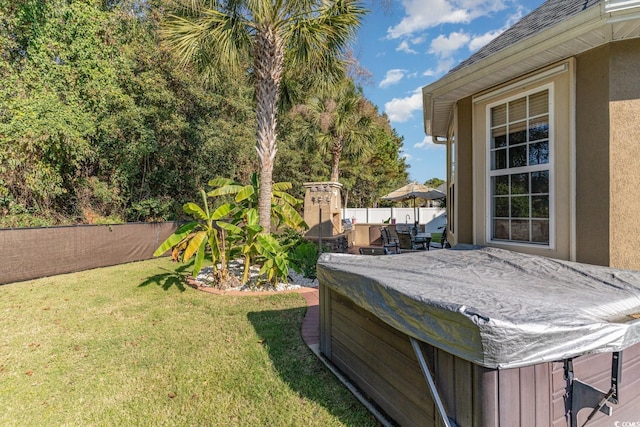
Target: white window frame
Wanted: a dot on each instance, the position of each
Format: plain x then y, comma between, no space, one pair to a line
547,166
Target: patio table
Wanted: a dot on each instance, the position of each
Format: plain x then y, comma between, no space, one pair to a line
423,239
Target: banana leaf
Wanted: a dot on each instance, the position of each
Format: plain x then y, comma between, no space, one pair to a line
176,237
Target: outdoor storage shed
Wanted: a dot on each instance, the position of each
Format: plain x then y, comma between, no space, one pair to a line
484,337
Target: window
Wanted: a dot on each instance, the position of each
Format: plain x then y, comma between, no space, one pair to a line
519,169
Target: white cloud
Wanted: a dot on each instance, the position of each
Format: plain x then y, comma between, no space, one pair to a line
443,65
405,155
423,14
404,47
392,77
401,110
480,40
427,144
445,47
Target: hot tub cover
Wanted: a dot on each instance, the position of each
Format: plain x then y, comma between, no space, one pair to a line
494,307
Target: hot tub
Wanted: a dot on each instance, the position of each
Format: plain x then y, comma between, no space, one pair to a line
484,337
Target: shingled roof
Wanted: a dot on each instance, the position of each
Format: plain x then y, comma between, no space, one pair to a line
550,13
555,31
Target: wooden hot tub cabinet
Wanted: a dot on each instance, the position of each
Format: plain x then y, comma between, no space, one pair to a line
380,360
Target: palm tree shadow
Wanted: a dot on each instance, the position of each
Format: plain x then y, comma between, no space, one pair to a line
280,333
177,278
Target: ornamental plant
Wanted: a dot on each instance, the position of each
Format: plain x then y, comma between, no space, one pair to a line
194,237
233,229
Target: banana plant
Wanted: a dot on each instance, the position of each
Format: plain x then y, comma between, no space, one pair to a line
274,257
247,219
192,238
283,204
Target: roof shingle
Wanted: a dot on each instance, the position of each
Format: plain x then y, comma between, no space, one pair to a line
550,13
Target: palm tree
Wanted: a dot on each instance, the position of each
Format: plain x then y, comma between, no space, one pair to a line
341,121
273,37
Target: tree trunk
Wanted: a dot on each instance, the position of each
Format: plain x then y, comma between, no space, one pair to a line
269,61
336,153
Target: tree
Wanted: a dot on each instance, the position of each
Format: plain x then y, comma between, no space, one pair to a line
340,121
434,182
272,37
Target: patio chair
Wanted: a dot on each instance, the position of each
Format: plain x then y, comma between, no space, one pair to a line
373,251
419,240
388,241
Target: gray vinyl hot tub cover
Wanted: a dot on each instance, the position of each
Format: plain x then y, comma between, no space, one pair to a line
494,307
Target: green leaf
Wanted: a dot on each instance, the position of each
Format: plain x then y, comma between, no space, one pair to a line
175,238
227,189
246,192
229,227
266,266
195,210
220,182
291,216
197,265
252,216
281,186
269,243
222,212
288,198
254,228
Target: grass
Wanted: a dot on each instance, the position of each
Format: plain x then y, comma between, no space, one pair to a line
131,345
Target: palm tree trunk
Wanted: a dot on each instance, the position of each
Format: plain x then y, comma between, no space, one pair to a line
335,171
336,153
269,61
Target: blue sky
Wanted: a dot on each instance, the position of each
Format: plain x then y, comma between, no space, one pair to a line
415,42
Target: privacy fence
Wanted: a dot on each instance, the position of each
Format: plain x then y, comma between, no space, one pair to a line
29,253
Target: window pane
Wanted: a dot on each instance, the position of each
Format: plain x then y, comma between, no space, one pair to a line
520,183
518,109
499,160
539,103
499,137
540,182
501,229
500,185
520,207
499,115
539,153
540,207
518,133
518,156
521,141
501,207
539,128
520,230
540,231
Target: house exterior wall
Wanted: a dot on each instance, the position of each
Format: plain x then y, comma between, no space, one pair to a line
597,149
464,171
624,140
562,168
592,157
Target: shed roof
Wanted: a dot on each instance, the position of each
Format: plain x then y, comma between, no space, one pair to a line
556,30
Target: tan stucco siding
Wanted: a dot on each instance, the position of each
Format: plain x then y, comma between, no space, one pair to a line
464,173
592,157
624,119
562,95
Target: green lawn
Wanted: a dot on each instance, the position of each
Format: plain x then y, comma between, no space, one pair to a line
131,345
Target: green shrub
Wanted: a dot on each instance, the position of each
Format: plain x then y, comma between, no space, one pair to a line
303,259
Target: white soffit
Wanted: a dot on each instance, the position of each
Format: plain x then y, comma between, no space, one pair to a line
615,20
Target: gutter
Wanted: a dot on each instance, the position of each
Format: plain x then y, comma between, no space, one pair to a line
536,44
